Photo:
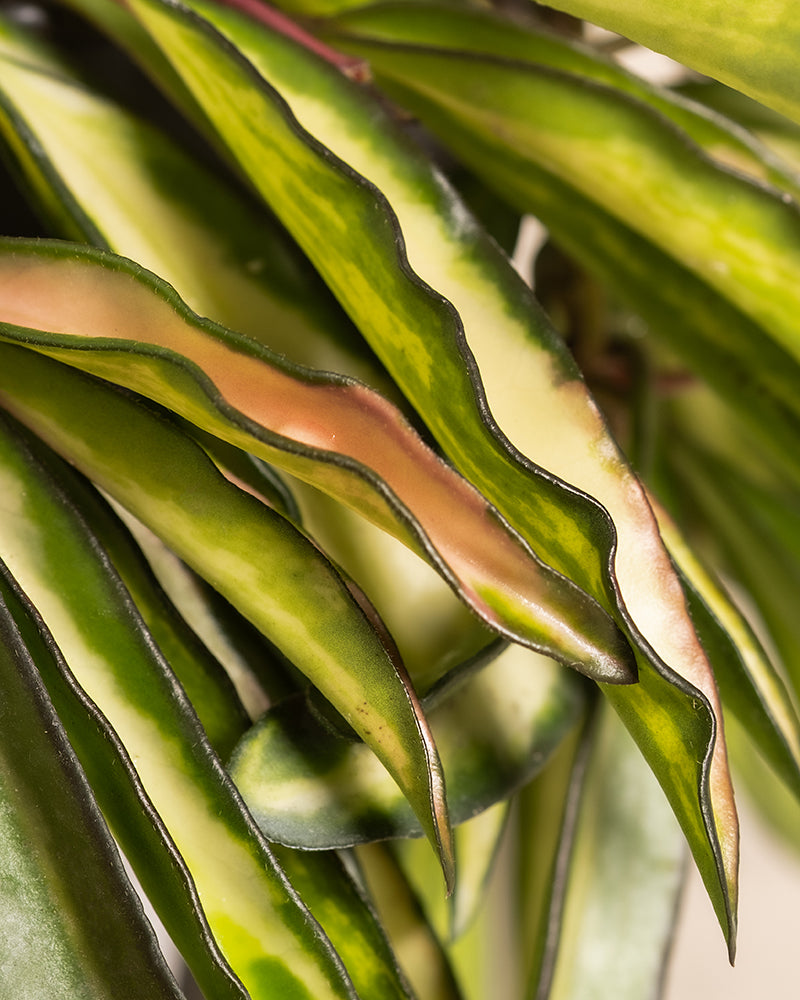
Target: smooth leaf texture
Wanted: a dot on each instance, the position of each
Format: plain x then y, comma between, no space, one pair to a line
73,927
540,405
478,841
259,671
413,940
545,808
309,788
362,451
434,631
754,49
201,675
748,520
179,493
321,881
347,915
598,937
166,794
428,56
777,132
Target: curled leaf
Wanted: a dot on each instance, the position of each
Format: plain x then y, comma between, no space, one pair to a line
269,570
112,319
310,788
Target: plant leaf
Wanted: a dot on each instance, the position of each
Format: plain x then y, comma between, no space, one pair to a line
433,352
414,941
72,926
201,675
434,631
435,49
609,921
546,412
348,917
146,198
259,671
478,841
322,884
755,527
775,131
560,120
750,686
183,826
753,51
308,787
486,33
202,516
362,451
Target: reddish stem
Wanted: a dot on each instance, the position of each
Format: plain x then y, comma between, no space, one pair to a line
351,66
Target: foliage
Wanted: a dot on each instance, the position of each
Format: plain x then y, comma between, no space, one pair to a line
334,567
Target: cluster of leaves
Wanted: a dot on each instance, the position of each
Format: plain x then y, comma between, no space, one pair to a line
328,558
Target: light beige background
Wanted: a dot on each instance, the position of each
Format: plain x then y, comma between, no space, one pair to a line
767,966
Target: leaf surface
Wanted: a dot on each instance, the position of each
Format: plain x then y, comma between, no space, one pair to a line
486,33
418,948
739,237
72,927
465,369
751,688
751,49
147,198
336,434
617,880
347,915
684,288
225,534
182,824
310,788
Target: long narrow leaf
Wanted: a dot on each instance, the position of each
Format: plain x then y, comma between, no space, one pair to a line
311,788
201,675
752,49
223,533
174,808
663,283
419,950
336,434
72,927
432,352
486,33
146,198
616,893
751,687
755,528
561,122
348,917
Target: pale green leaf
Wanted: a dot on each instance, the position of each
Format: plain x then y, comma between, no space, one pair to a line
478,841
750,47
430,56
604,481
751,687
310,788
348,917
619,873
486,33
419,950
755,526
